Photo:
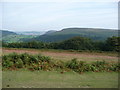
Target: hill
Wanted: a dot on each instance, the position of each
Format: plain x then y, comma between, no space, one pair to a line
9,36
17,38
92,33
6,33
31,32
50,32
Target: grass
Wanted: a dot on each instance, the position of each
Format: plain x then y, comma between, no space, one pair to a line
54,79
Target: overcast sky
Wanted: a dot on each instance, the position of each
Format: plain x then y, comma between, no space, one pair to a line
38,16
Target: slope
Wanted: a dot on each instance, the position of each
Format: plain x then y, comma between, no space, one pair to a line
92,33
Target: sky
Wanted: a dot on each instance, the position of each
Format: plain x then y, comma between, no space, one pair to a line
39,16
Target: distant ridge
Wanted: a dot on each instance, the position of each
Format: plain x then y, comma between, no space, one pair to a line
9,36
49,32
92,33
6,33
30,32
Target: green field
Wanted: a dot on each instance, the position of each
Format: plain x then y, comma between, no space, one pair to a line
52,79
17,38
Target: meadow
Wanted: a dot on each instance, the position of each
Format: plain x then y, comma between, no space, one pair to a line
24,78
53,79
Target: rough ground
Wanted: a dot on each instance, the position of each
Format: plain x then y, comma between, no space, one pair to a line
63,55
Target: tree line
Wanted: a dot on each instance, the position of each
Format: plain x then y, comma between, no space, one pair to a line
75,43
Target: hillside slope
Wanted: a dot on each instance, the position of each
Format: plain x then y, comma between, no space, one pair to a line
50,32
6,33
9,36
95,34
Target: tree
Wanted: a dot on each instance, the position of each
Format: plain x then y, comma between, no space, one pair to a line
113,44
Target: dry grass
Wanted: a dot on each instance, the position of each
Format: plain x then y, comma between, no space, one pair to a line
66,55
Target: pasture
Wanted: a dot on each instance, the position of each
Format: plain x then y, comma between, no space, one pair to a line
52,79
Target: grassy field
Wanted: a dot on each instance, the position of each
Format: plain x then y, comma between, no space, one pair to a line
52,79
55,79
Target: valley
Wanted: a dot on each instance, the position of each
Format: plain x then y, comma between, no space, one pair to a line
57,36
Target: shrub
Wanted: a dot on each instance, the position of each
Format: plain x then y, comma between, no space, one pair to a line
44,58
7,63
99,65
73,64
114,67
39,62
59,64
25,58
13,57
19,63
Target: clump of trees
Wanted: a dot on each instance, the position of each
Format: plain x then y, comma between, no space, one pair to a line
76,43
113,44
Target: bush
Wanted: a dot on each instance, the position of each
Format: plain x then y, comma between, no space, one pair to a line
39,62
59,65
26,60
7,63
19,63
43,58
73,64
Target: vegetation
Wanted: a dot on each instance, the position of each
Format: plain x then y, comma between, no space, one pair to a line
76,43
38,62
